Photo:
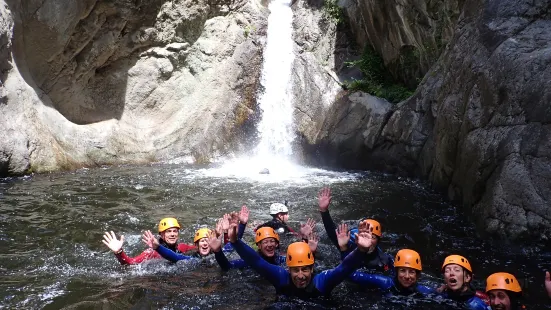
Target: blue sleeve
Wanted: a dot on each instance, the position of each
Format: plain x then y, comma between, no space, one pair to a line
352,241
227,248
227,265
241,230
276,275
282,260
171,255
373,280
425,290
326,281
330,228
476,303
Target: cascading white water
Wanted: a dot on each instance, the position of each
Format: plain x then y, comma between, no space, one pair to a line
276,125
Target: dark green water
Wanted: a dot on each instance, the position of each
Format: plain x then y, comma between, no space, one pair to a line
52,257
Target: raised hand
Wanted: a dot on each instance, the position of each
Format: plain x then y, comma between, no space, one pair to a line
150,239
244,215
307,228
110,240
548,283
313,240
232,233
343,236
215,243
234,218
218,228
324,199
364,227
225,222
364,240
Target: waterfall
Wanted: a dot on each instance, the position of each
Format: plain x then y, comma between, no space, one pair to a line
275,128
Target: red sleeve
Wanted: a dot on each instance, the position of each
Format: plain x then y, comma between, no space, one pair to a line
483,296
182,247
145,255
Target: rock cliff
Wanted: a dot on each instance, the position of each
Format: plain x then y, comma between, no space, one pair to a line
478,125
94,82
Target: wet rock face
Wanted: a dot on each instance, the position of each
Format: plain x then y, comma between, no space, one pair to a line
408,34
478,125
100,82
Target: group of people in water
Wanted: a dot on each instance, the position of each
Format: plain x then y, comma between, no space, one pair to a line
359,249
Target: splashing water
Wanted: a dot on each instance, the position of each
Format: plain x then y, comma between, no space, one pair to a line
276,126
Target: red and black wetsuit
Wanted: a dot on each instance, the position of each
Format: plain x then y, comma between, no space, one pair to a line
152,254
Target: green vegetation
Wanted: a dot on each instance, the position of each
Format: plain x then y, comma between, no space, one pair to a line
249,29
334,11
377,80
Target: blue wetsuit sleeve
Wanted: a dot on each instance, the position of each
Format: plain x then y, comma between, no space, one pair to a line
476,303
330,227
225,264
241,230
425,290
171,255
276,275
370,279
327,280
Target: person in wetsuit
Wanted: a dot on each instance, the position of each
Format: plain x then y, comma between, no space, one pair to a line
267,241
200,240
300,280
404,283
548,283
457,277
169,229
504,291
376,259
280,216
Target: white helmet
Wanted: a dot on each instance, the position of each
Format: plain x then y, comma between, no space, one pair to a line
277,207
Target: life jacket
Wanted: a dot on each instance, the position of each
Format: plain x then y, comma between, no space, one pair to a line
379,260
310,291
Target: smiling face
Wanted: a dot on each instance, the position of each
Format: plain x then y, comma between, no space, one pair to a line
268,247
203,246
455,277
407,277
499,300
170,236
301,276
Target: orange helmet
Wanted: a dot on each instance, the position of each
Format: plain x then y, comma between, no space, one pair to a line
458,260
299,254
201,233
408,258
168,222
265,232
503,281
375,227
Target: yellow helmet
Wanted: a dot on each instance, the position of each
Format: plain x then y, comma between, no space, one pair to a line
168,222
375,227
265,232
503,281
299,254
458,260
200,234
408,258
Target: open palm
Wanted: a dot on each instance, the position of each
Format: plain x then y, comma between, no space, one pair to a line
111,241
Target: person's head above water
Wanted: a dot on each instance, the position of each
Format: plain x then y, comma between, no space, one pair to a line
267,241
457,273
201,241
375,228
300,261
169,229
279,211
408,267
504,291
